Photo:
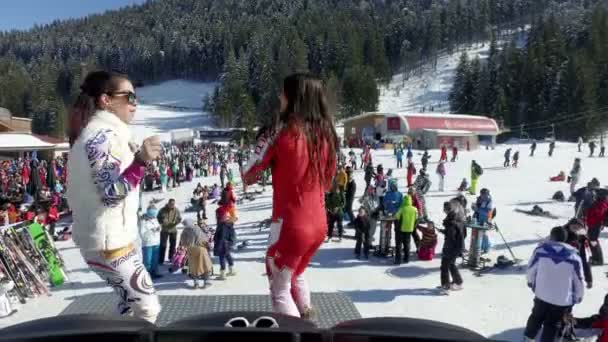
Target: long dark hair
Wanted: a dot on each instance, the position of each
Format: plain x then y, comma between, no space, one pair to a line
95,84
306,103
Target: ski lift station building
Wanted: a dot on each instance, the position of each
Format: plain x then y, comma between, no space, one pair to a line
427,130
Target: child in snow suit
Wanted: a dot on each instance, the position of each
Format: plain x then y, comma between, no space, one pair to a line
406,217
195,241
224,239
425,159
369,174
577,238
341,178
351,189
428,243
362,234
149,231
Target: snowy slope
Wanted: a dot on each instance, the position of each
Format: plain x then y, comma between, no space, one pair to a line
496,305
170,105
432,87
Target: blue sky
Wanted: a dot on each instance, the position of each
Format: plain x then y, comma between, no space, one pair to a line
23,14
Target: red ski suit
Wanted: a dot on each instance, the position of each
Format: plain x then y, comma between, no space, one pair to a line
299,223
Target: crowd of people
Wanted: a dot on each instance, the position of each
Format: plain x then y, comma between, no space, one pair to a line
33,189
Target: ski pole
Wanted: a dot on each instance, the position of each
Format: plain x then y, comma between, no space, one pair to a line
506,243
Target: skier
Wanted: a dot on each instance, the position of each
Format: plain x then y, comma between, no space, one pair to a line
425,159
411,171
103,188
362,234
444,154
422,183
591,148
453,245
554,275
532,149
454,153
577,238
596,218
580,143
476,172
149,232
575,174
399,156
302,151
602,148
551,148
515,158
406,217
351,189
507,162
441,173
484,209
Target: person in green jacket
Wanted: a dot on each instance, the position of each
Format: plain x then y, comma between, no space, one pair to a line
407,215
334,205
476,172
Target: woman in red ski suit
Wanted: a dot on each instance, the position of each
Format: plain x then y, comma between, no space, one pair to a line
411,171
301,152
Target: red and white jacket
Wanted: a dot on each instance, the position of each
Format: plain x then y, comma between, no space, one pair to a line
298,200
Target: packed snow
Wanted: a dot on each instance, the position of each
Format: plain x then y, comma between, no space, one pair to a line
496,304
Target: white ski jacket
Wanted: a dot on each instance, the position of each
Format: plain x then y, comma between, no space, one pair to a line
555,274
149,230
103,180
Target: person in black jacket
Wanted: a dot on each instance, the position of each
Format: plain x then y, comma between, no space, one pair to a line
351,189
453,245
362,234
369,174
577,238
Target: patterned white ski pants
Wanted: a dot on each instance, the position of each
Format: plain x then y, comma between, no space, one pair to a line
130,280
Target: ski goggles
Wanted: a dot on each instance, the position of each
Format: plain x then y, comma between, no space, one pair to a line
131,96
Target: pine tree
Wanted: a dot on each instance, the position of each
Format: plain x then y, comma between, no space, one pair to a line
359,91
458,94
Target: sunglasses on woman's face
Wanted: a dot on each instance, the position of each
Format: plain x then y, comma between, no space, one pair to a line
131,96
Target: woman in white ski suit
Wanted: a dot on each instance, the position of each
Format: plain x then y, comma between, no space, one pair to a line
104,176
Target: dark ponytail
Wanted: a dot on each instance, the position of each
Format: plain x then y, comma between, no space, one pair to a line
95,84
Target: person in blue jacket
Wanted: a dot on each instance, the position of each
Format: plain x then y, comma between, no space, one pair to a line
484,209
392,200
399,155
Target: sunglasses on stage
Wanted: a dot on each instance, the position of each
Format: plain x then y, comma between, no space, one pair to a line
131,96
